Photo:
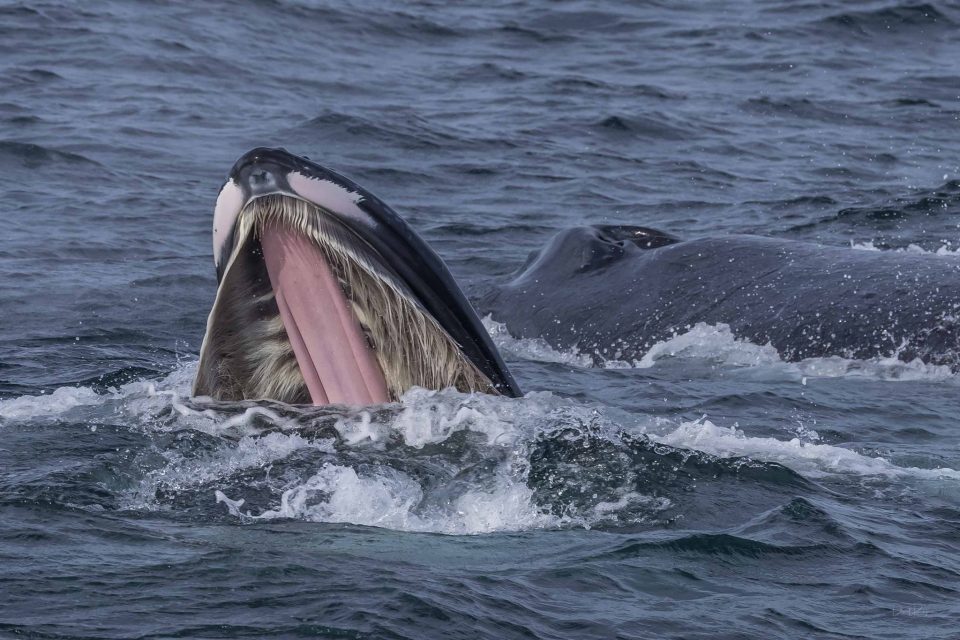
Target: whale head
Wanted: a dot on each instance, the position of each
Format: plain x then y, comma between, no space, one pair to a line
326,295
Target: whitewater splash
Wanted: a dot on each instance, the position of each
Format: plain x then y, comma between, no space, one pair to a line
718,345
943,250
803,455
442,462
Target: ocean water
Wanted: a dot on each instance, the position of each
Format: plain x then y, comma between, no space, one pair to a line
707,490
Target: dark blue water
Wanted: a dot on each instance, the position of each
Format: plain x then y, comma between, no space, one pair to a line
708,490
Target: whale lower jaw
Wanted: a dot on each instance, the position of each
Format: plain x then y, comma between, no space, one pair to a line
306,312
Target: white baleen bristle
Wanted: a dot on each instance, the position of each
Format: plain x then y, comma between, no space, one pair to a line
270,358
410,346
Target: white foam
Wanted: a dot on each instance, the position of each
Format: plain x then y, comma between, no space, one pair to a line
338,494
943,250
810,459
432,416
889,369
184,473
717,344
535,349
48,405
632,498
426,416
389,498
500,500
142,402
710,342
139,397
508,507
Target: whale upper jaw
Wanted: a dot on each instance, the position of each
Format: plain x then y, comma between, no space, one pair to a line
327,296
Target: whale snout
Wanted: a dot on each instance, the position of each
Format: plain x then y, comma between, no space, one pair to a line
327,296
263,171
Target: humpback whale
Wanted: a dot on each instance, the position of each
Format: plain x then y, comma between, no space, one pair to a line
325,295
614,291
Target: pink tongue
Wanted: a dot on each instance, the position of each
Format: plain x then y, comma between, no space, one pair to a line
331,351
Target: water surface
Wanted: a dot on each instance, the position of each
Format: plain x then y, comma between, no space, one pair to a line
707,490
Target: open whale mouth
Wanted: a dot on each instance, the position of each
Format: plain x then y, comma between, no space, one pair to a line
327,296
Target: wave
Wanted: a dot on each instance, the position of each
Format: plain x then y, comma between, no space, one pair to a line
443,462
406,129
943,250
935,207
801,455
45,405
32,156
655,126
806,109
389,499
712,544
900,18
